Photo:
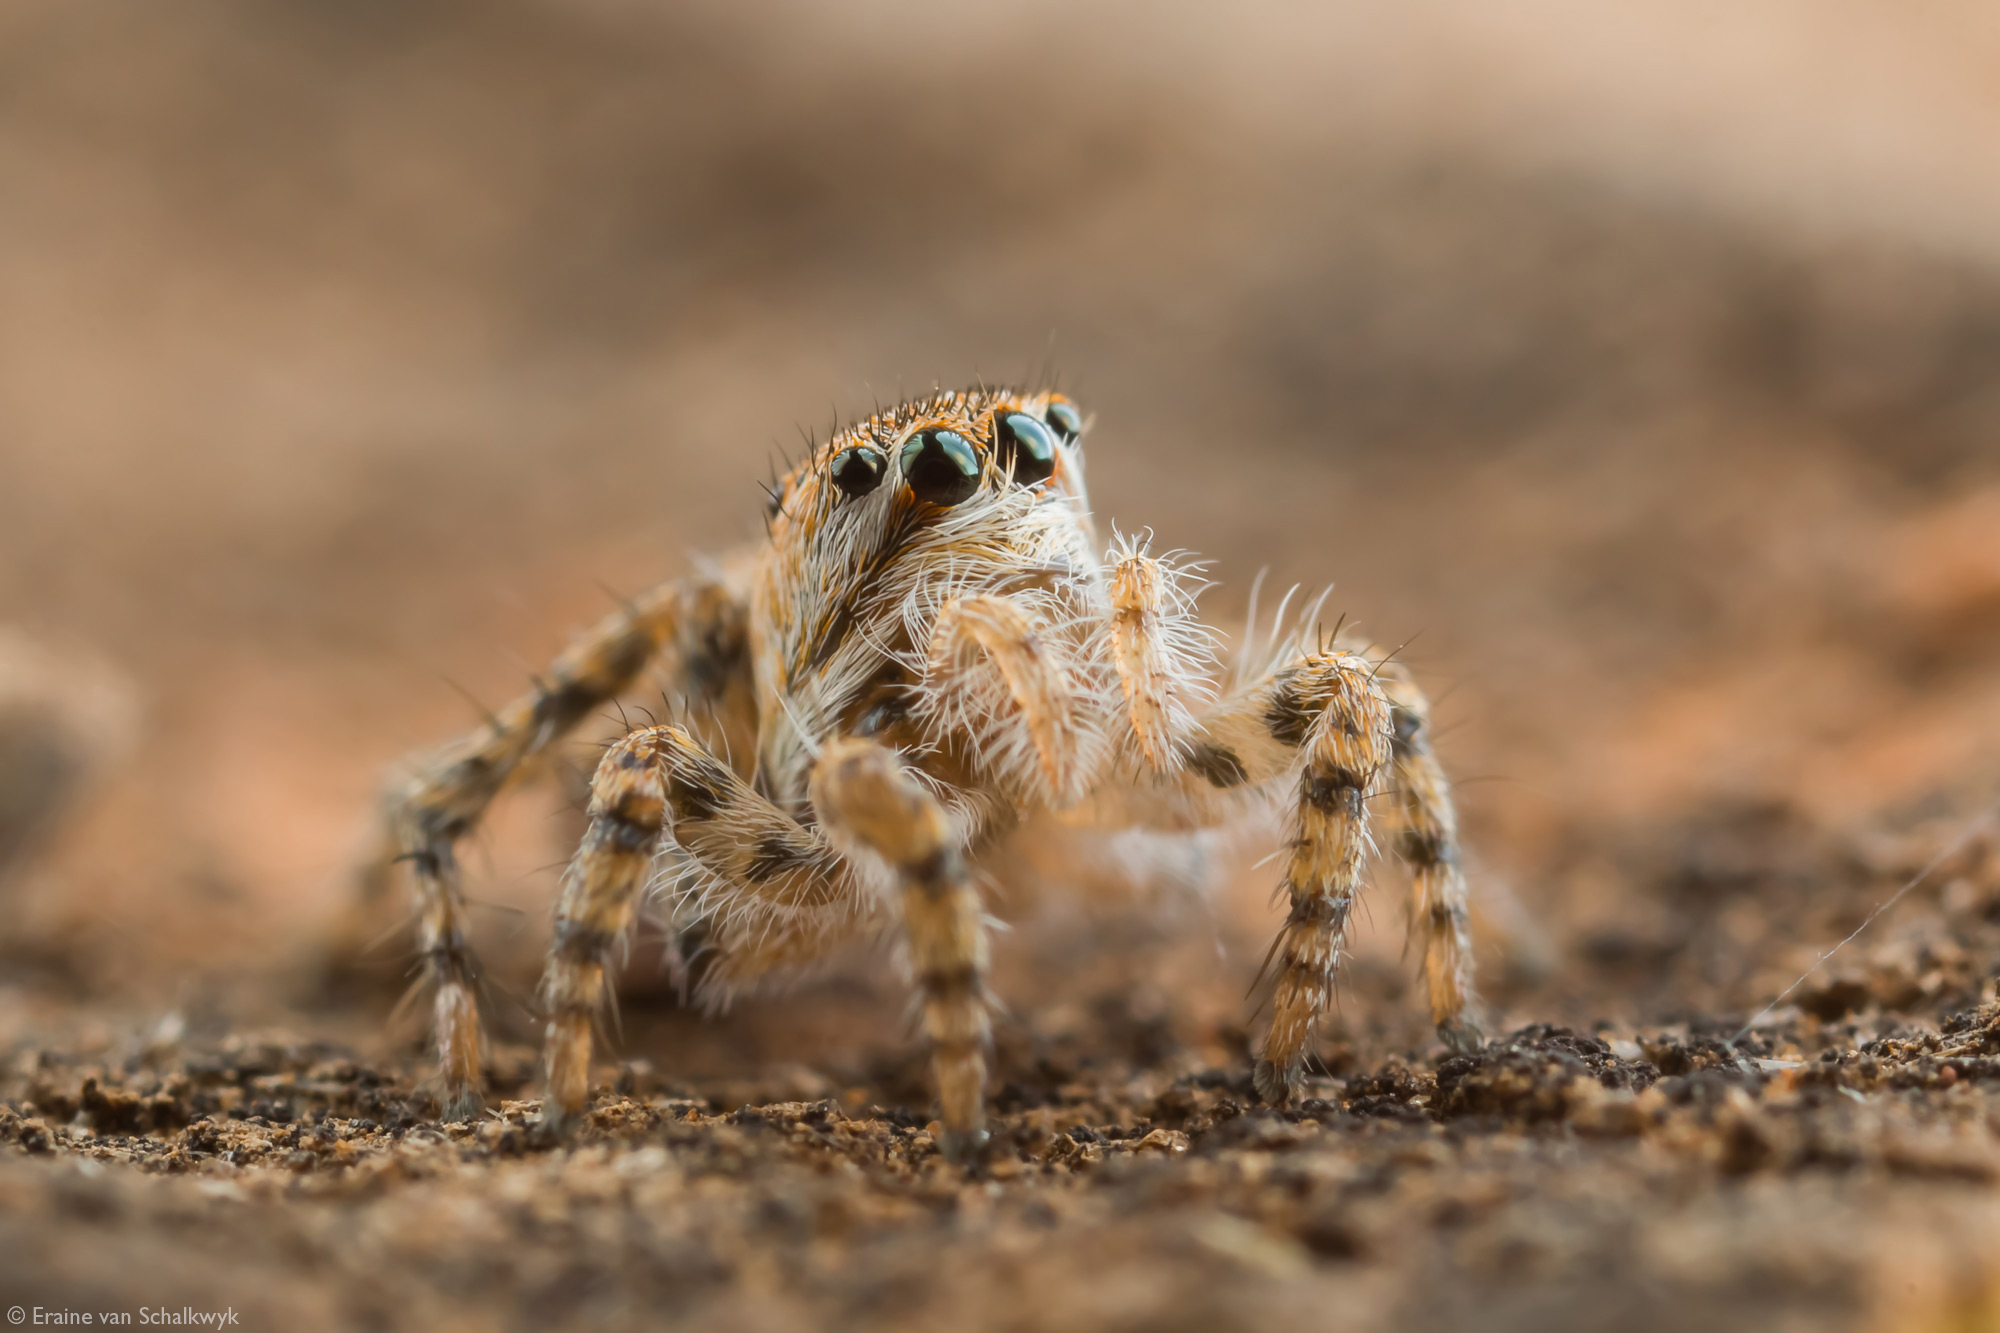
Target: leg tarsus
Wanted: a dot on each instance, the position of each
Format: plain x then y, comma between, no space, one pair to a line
1462,1035
566,1063
969,1148
449,966
1274,1087
457,1021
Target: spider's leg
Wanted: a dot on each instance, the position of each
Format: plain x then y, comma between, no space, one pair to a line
991,671
763,877
445,800
1324,724
1427,841
1327,715
1342,722
869,803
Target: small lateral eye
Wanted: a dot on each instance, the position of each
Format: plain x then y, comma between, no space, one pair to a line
1026,445
941,466
1064,420
858,470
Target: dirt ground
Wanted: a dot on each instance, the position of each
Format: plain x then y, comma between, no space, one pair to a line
1633,370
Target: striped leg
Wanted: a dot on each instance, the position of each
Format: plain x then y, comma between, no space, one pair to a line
765,879
1345,724
1330,708
1428,843
1327,720
868,802
428,815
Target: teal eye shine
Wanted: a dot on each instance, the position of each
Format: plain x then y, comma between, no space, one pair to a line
941,466
1025,446
1064,420
858,471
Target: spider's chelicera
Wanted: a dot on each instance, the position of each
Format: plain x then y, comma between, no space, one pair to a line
932,646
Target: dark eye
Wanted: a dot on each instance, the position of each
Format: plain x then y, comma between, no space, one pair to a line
1026,445
1065,421
940,466
858,471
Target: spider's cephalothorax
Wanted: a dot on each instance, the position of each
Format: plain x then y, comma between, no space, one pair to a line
932,644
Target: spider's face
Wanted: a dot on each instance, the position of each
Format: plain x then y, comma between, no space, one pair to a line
893,517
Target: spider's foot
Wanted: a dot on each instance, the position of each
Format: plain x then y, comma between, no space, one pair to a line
1275,1087
965,1147
550,1128
460,1104
1461,1035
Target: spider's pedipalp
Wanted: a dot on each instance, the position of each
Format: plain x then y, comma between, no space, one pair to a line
994,674
1163,654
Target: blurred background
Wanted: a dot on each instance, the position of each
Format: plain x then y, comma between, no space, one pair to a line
1634,364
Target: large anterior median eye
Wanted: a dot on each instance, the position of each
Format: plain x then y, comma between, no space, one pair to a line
858,471
941,466
1025,445
1065,420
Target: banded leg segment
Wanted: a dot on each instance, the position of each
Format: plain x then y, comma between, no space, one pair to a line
866,799
1327,720
1427,841
760,866
445,801
1331,707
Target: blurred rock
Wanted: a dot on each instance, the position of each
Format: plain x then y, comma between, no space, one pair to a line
66,718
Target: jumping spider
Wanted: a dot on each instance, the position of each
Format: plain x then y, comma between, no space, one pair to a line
929,647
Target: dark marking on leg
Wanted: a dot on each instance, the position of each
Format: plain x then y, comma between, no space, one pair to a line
938,872
1287,717
566,705
620,830
715,654
1318,909
1337,791
957,980
1217,763
580,943
450,959
1427,849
